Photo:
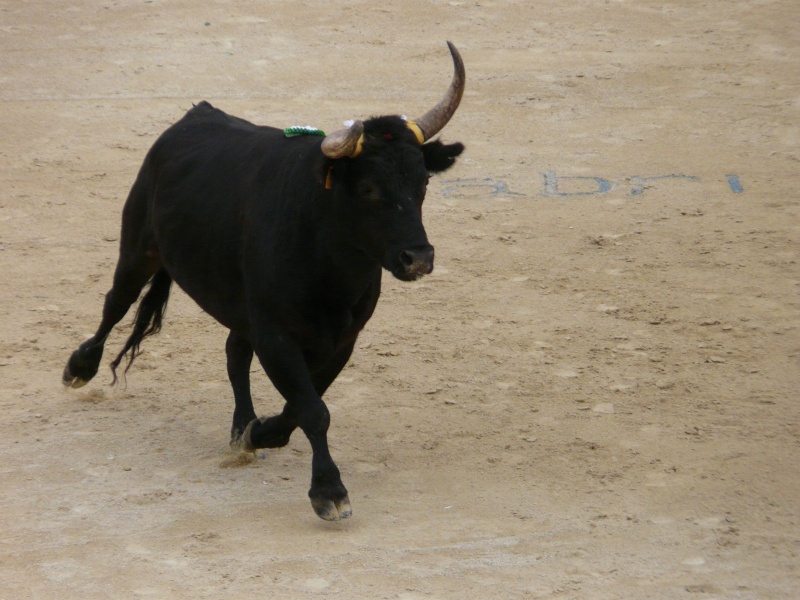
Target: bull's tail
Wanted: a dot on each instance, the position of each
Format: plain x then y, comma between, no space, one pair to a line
148,318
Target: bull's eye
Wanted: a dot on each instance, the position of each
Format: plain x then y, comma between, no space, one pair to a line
368,190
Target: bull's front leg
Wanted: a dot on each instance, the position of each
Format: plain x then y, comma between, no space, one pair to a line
285,365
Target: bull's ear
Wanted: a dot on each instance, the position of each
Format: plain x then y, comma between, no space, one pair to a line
440,157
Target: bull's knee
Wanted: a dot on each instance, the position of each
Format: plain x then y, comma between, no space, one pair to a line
314,419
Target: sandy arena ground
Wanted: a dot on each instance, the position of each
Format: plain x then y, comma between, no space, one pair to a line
595,394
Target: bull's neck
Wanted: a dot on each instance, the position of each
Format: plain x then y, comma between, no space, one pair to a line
349,269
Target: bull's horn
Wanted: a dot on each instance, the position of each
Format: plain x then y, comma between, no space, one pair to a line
344,142
347,142
435,119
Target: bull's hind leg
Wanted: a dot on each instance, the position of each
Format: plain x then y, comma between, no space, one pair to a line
138,261
129,279
240,356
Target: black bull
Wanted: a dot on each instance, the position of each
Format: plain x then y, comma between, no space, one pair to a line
282,240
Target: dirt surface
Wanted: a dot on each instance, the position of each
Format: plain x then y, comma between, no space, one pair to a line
595,394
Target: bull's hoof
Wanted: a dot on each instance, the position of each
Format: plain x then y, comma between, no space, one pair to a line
72,381
332,510
243,442
82,366
330,504
239,445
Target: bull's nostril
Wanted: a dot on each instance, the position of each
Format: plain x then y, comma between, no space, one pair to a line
407,258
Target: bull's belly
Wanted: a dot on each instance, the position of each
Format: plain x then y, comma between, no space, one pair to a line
212,283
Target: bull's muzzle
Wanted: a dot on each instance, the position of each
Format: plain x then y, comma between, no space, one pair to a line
415,262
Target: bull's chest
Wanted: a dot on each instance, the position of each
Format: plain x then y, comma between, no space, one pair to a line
332,329
327,336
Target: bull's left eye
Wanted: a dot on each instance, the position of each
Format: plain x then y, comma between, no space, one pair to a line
368,190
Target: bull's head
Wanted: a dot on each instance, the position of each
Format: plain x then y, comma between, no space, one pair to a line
381,172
